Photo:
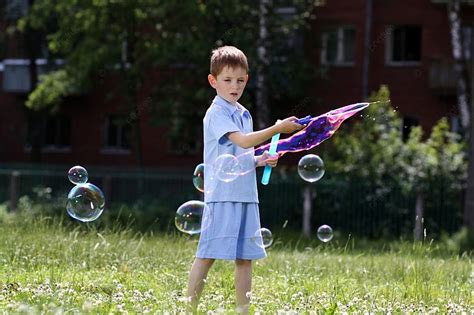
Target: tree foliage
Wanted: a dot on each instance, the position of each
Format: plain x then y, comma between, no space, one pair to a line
134,40
372,154
373,148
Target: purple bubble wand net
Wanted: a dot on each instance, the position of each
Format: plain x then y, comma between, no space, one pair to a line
317,130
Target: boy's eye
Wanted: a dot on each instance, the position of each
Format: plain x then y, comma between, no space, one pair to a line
227,80
241,80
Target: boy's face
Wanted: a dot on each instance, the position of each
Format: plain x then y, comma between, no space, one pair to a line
230,83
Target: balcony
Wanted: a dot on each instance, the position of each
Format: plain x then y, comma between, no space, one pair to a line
16,73
468,2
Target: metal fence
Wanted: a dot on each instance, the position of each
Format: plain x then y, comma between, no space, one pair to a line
349,207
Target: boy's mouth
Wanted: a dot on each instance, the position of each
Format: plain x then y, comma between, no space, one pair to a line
234,94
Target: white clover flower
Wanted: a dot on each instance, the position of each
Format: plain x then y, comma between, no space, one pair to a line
87,306
185,299
117,297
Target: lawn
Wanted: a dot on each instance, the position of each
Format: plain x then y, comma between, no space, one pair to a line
49,267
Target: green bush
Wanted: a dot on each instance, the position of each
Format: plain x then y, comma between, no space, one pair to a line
460,242
142,215
389,172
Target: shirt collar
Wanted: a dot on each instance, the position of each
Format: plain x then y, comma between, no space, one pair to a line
231,108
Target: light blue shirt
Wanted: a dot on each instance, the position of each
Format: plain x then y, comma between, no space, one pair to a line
222,118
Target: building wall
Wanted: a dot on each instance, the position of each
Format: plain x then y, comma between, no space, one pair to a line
409,86
88,115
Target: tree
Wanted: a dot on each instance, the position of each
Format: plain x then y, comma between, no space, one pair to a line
372,152
263,65
239,24
32,42
92,36
466,113
133,40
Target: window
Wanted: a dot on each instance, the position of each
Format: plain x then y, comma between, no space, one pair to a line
117,133
16,76
408,124
338,46
58,132
287,45
54,132
403,45
291,38
15,9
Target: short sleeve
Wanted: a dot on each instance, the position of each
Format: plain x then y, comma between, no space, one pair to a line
221,123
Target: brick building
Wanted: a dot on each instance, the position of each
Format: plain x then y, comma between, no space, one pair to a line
408,48
360,44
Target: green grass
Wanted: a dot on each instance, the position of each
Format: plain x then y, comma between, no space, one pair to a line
47,267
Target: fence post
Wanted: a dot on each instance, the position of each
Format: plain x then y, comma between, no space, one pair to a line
307,205
14,190
419,219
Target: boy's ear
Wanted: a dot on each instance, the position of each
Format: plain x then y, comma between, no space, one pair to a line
212,80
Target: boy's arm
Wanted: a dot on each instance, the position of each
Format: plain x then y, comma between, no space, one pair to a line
249,140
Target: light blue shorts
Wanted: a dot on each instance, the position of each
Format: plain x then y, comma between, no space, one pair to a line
230,234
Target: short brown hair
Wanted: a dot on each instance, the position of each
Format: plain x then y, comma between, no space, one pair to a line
227,56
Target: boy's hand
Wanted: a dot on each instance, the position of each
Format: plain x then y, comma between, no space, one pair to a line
267,159
289,125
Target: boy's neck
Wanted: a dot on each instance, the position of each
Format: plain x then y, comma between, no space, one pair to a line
234,104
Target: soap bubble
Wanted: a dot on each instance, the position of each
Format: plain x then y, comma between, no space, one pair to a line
77,175
311,168
263,238
325,233
204,178
198,177
227,168
192,217
85,202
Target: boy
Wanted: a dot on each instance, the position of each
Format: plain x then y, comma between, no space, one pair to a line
233,206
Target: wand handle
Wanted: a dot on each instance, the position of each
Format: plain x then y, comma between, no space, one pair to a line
268,169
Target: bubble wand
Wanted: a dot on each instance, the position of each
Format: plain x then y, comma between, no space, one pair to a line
268,169
318,129
273,148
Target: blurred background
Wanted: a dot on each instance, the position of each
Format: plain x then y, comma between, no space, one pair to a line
120,88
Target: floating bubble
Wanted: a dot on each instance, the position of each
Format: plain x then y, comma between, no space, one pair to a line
204,178
192,217
78,175
227,167
325,233
198,177
263,238
85,202
311,168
